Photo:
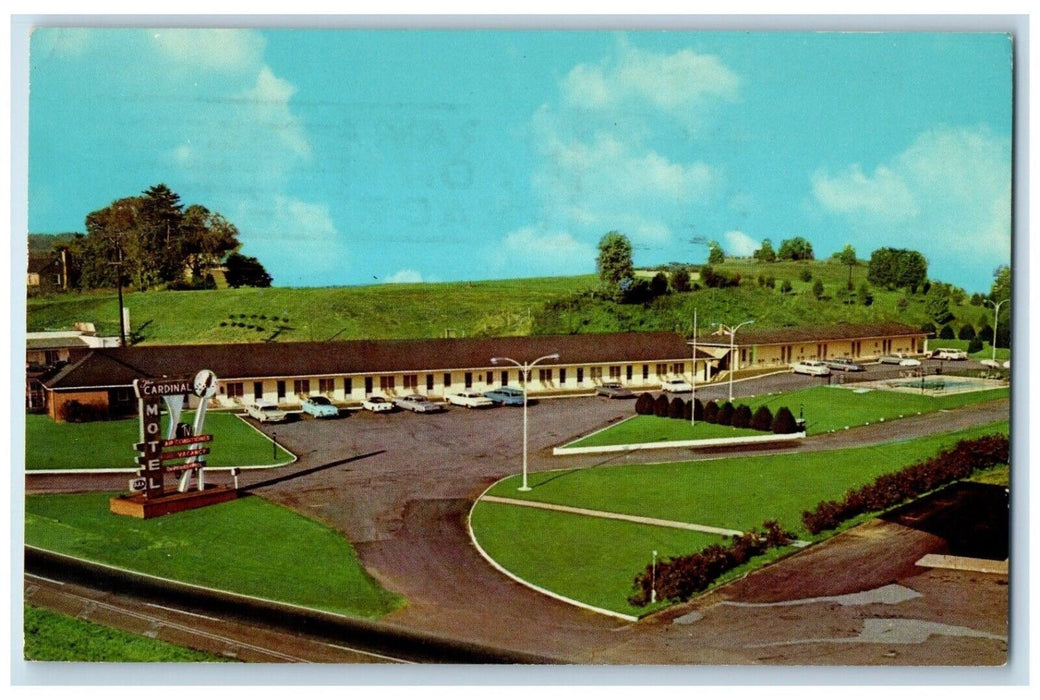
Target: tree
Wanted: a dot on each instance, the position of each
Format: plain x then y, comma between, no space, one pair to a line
645,404
676,408
847,257
206,238
716,256
661,405
614,262
659,285
681,279
946,333
937,307
1000,291
725,414
785,287
765,253
817,289
243,271
711,412
866,297
741,416
795,249
895,268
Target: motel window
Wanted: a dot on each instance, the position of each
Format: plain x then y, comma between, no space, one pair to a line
429,382
411,382
662,369
235,390
678,368
281,390
545,376
743,356
628,372
581,375
301,386
258,390
596,373
646,372
348,386
505,377
563,375
469,380
447,379
327,385
489,378
615,372
386,383
368,385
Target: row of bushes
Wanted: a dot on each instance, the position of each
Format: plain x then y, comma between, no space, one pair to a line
679,578
892,489
783,423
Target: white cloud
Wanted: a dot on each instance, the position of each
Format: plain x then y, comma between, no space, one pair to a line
739,244
404,277
211,49
269,98
542,252
948,195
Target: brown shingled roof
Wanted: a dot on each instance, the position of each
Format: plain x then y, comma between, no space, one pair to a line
120,366
749,335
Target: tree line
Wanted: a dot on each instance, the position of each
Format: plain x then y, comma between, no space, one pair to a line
152,241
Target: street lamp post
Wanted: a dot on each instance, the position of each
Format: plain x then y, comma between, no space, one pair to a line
653,579
732,330
693,376
996,313
526,369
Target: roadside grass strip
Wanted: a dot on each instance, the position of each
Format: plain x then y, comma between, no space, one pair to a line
578,553
248,546
50,636
109,445
653,429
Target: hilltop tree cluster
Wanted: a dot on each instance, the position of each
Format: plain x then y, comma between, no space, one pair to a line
157,241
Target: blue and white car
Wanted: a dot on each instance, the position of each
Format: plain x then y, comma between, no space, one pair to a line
320,407
506,396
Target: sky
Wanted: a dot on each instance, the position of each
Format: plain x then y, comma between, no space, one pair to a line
349,157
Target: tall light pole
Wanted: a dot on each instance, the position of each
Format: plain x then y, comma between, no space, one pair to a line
693,377
732,330
525,368
996,313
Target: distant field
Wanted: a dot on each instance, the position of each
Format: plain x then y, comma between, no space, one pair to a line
463,309
595,561
109,444
247,546
50,636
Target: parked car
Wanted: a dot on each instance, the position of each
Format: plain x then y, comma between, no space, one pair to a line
320,407
506,396
949,354
417,403
266,412
377,404
613,390
469,399
899,358
844,364
995,364
811,367
676,386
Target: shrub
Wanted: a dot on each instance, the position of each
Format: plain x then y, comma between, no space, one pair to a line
967,332
77,412
661,406
817,289
698,409
725,415
805,275
946,333
687,410
975,345
763,419
645,404
784,422
711,412
741,417
676,408
785,287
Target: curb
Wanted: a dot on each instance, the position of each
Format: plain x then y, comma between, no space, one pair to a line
714,442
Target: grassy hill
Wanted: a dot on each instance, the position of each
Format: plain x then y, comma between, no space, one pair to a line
489,308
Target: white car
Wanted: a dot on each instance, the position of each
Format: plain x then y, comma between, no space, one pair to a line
899,358
811,367
469,399
417,403
949,354
265,412
676,386
377,404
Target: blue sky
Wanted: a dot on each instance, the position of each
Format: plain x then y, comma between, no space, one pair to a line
350,157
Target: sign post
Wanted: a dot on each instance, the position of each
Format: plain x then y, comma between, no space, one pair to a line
187,458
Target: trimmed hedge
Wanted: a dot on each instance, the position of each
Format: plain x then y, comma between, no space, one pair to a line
763,419
680,578
676,408
645,404
784,422
661,406
741,417
711,412
892,489
725,416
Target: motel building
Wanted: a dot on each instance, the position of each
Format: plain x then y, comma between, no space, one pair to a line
347,372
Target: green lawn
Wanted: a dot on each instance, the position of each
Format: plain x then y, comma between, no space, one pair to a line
730,493
828,408
248,546
643,429
50,636
110,444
